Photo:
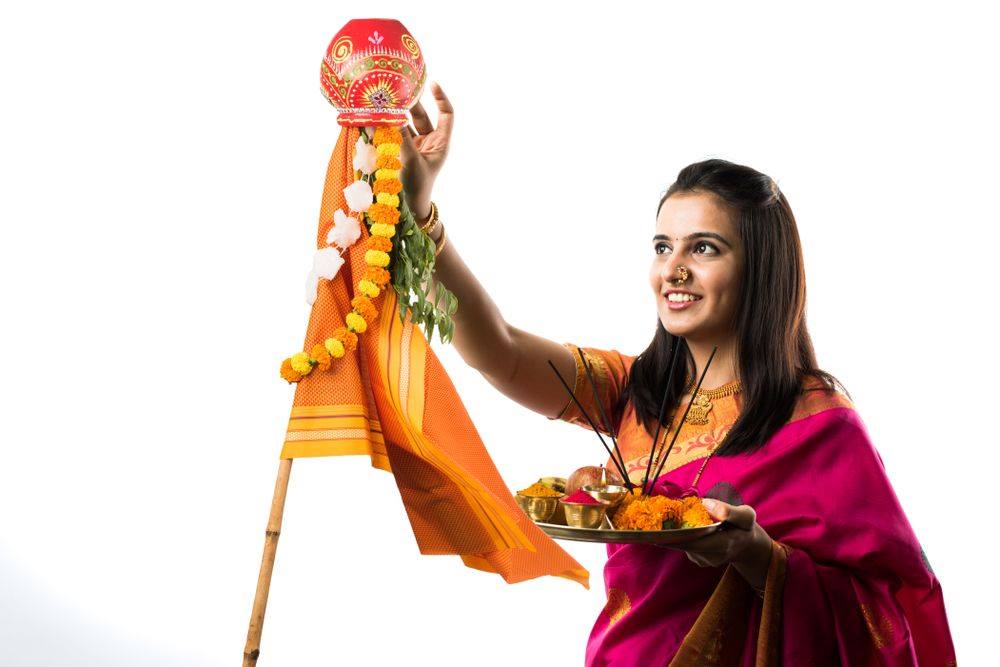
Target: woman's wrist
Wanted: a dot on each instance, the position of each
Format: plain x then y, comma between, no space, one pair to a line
436,233
421,208
755,561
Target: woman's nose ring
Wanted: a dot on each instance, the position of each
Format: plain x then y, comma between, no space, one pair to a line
684,275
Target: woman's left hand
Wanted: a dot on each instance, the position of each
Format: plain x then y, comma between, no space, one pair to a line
743,542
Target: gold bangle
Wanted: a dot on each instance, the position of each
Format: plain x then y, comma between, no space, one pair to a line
428,225
440,246
430,230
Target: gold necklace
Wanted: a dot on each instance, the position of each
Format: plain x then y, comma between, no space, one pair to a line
702,403
698,414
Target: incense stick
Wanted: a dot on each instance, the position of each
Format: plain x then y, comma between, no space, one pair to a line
680,425
604,416
663,408
586,416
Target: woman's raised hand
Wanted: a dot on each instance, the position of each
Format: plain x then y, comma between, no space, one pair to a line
424,151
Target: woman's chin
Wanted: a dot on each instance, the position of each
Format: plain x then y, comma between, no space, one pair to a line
676,328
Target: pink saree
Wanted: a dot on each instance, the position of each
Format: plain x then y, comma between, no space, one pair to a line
848,582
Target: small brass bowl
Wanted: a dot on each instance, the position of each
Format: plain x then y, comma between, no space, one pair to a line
538,508
610,495
579,515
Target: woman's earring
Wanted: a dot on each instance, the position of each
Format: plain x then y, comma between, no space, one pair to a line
684,275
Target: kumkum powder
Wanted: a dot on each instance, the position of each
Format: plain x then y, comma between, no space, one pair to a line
581,497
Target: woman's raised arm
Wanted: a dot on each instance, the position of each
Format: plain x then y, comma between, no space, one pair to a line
513,360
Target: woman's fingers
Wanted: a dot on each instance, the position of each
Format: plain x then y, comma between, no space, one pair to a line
421,121
409,150
446,114
741,516
714,543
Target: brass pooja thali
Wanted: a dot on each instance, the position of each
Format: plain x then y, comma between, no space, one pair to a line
590,519
598,504
606,533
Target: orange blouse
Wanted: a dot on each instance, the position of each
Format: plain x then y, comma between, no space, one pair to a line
696,440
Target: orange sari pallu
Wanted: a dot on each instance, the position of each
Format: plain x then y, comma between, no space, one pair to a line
392,400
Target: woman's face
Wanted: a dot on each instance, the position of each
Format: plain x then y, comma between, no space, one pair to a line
696,230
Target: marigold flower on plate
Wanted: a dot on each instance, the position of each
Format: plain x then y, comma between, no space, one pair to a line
387,199
288,373
695,514
301,363
386,174
647,513
355,322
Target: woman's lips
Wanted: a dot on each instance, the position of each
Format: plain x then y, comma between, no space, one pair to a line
680,301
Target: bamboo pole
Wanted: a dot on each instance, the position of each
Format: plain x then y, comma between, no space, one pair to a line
252,650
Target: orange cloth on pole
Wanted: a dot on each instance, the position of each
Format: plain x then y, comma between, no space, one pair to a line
392,400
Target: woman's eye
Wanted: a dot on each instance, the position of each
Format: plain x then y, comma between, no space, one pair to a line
661,248
705,248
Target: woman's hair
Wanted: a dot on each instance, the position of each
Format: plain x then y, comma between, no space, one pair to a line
774,352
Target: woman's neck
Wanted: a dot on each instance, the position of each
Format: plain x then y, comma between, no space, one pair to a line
724,365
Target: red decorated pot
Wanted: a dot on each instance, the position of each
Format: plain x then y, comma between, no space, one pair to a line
373,72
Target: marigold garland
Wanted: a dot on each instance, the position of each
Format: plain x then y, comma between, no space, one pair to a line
301,363
320,355
379,243
346,337
379,229
377,275
289,373
382,216
390,187
387,162
365,308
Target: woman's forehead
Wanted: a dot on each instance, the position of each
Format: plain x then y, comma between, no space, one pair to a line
689,212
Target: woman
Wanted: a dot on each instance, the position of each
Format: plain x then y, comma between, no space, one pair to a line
821,565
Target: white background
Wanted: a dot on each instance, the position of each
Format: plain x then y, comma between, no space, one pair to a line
162,168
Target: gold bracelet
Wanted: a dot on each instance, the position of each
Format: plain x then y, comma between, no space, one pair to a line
428,225
440,246
430,230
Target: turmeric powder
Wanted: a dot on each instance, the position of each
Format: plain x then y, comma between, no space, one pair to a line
539,490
